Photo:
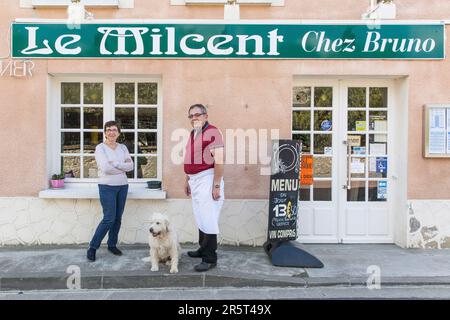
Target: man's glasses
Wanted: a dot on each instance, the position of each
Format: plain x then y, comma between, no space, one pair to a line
195,115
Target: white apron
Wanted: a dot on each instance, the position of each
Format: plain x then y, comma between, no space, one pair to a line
206,209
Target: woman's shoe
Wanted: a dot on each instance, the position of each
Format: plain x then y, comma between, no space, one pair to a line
91,254
115,251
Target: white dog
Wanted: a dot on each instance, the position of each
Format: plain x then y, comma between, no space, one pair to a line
163,242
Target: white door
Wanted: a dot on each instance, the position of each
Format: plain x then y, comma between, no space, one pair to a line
364,162
344,125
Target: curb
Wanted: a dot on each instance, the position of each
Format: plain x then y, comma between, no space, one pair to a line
111,280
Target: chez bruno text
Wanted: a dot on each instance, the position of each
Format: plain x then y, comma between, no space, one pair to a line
217,45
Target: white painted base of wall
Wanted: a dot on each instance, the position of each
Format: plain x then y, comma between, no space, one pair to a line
429,224
34,221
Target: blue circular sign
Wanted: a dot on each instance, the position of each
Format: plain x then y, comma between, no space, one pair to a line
325,125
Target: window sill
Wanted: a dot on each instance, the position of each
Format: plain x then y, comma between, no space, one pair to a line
223,2
36,4
72,191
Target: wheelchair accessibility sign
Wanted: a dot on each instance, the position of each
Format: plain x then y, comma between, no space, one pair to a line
381,164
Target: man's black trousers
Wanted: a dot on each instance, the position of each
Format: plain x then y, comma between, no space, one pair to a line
208,246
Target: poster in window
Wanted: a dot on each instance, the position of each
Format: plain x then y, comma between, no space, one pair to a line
448,131
437,131
382,190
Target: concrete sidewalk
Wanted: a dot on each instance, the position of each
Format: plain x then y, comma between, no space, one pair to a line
45,268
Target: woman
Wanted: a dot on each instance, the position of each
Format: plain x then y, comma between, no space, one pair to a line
113,160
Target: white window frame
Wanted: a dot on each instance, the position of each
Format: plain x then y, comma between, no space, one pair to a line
313,133
54,118
88,3
158,129
275,3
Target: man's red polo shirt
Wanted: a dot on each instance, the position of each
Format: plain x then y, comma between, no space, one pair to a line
198,151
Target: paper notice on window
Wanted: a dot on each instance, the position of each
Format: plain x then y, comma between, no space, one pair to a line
380,125
448,130
438,131
382,190
356,166
380,137
354,140
360,125
377,148
373,164
328,151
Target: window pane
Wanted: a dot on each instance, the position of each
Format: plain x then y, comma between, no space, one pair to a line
70,142
378,97
301,97
323,97
322,191
90,168
147,142
70,93
322,142
378,144
377,190
356,121
301,120
93,118
322,120
91,140
147,93
322,167
357,192
356,97
147,167
147,118
378,120
358,167
306,141
124,93
93,93
125,117
305,193
378,167
71,166
70,118
357,143
127,138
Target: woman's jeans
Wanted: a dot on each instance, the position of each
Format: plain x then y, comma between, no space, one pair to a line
113,200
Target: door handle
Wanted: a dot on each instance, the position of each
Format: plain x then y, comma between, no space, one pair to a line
349,175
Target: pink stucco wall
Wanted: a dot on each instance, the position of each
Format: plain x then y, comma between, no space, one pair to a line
226,86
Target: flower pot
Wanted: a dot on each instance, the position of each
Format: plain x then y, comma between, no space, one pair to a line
154,184
57,183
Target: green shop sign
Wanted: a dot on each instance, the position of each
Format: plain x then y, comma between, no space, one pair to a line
231,41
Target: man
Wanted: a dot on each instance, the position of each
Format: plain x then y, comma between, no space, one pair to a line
203,165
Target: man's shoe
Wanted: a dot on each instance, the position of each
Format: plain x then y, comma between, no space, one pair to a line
204,266
194,254
115,251
91,254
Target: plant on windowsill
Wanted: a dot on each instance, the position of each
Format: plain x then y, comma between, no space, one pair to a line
57,181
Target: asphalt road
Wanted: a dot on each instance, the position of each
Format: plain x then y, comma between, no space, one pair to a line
397,292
